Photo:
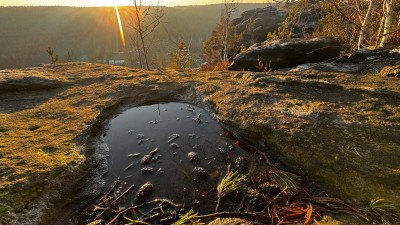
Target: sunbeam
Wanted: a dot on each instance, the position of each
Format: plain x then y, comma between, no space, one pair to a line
121,30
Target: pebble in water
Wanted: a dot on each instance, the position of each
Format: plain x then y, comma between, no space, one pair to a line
174,145
130,132
140,136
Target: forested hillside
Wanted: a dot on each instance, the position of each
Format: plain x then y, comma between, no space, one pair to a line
91,34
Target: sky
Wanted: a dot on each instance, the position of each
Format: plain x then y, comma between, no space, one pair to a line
111,2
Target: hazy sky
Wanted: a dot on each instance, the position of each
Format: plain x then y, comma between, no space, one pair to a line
110,2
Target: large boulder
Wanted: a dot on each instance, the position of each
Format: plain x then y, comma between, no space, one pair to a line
255,24
286,54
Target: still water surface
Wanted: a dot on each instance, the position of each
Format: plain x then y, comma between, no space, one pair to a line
173,130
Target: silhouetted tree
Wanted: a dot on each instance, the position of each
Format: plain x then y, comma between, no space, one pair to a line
144,20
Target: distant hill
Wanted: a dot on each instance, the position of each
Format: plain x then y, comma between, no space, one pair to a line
91,34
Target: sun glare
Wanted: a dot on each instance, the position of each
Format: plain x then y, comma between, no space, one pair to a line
121,30
112,2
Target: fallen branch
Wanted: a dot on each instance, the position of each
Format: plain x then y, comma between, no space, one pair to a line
117,200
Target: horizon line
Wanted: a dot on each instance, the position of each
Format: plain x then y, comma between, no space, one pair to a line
103,6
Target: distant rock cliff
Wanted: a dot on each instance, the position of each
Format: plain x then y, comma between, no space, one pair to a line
255,24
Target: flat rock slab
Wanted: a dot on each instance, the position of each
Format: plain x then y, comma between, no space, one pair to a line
340,131
286,54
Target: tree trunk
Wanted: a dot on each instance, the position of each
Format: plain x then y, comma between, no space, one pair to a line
378,38
364,24
388,11
226,40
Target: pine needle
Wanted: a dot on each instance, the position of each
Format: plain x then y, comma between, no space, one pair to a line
382,212
309,214
287,181
189,219
230,183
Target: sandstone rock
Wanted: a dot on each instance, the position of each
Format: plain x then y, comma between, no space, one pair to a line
366,54
286,53
352,68
391,71
255,24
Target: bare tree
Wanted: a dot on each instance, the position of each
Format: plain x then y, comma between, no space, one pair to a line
388,11
144,20
230,7
364,24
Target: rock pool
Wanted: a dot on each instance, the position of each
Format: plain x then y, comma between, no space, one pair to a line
181,149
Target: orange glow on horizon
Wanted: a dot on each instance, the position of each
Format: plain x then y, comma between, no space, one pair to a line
121,30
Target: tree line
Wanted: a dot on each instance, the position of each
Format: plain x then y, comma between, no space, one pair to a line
357,23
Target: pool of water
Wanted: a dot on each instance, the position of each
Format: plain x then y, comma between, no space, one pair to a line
153,143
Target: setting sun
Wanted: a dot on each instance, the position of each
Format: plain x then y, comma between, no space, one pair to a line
112,2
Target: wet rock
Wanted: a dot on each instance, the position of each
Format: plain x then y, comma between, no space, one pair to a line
194,157
130,132
147,170
173,137
174,145
140,136
144,192
200,171
140,142
192,135
286,54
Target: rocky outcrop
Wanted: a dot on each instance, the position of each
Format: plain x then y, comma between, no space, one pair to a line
255,24
285,54
340,131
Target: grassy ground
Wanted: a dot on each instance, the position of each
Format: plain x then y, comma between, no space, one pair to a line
340,130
